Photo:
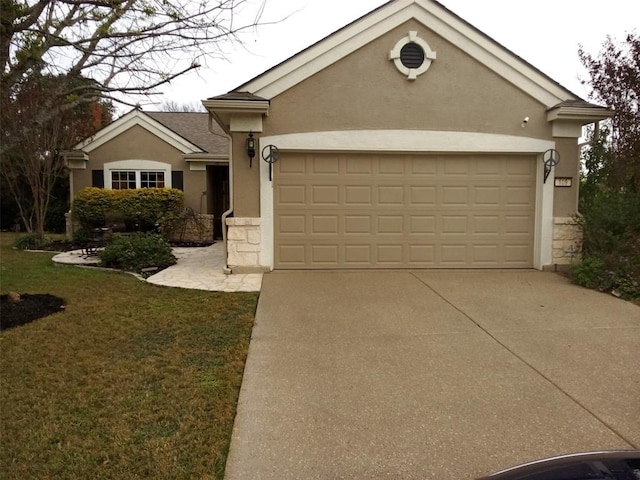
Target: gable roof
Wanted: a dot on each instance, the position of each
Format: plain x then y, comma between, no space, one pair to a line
186,131
433,15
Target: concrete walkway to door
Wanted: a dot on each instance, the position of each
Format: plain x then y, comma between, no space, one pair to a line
432,375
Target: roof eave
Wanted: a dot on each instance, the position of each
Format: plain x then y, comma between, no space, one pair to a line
224,109
581,114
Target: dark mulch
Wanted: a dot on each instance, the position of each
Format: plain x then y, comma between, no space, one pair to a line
60,246
66,246
29,308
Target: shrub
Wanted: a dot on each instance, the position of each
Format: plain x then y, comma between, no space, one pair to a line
141,209
27,241
591,272
137,252
81,237
611,245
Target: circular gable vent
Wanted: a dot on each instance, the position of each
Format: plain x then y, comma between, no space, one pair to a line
412,55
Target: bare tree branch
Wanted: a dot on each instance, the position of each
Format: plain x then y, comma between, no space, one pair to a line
127,48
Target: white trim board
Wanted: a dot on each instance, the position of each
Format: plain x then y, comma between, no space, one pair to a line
435,17
407,141
137,166
131,119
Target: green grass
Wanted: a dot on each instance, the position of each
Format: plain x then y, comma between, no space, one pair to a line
131,381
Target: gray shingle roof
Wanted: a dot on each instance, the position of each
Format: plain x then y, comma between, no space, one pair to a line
236,95
194,127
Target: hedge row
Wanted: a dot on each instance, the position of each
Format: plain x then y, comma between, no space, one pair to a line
139,209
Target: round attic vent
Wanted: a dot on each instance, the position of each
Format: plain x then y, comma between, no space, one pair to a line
412,55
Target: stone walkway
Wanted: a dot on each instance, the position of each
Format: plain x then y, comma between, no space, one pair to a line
199,268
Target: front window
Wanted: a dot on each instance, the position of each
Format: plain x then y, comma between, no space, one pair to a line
123,180
151,179
125,174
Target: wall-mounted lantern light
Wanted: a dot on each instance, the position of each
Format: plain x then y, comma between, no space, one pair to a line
251,148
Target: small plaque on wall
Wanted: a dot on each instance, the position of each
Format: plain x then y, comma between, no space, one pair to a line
563,181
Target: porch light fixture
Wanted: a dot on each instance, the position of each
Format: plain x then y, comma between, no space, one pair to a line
251,148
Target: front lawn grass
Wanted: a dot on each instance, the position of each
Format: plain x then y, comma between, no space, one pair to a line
131,381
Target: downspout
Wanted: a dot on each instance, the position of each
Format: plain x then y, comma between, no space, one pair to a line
228,212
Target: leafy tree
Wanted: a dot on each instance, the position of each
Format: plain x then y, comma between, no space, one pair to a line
32,169
610,187
615,82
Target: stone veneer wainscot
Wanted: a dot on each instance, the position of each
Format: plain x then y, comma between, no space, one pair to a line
567,240
243,242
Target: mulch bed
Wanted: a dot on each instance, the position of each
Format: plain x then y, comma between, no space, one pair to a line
66,246
29,308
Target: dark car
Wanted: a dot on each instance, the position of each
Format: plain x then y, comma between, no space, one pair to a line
618,465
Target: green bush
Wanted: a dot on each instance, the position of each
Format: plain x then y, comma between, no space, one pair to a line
590,272
27,241
81,237
137,252
141,209
611,245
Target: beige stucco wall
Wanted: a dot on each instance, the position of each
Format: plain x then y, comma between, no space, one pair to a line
138,143
246,180
566,198
365,91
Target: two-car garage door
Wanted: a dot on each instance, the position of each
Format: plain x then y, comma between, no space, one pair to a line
403,211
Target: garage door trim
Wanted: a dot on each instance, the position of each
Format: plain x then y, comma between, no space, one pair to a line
387,141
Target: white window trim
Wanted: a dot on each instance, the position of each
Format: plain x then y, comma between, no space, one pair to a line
137,166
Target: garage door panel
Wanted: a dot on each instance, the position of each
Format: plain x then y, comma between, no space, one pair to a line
390,195
421,255
292,255
358,195
357,224
489,196
455,196
359,165
403,211
292,224
422,196
421,166
420,224
391,166
389,254
521,196
454,225
292,195
326,165
324,254
324,224
325,195
358,255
